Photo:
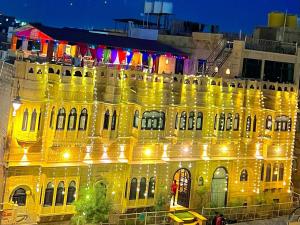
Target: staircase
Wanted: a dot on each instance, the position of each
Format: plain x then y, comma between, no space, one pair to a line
218,57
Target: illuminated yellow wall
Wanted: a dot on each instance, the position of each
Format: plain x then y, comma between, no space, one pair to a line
116,156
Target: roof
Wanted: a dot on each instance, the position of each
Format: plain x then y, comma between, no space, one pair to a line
76,35
135,21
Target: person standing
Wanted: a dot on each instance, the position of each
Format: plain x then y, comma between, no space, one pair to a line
214,221
174,188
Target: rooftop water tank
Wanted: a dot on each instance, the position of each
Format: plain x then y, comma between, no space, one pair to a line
292,21
276,19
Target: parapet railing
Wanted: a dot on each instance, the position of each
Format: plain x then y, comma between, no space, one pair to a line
271,46
253,212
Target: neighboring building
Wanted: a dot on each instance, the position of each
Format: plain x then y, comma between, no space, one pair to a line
6,78
135,120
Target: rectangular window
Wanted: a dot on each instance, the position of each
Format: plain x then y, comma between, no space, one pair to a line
251,68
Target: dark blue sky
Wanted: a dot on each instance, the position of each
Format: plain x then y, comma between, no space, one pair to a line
231,15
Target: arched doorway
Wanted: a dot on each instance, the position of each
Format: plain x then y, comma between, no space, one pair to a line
183,180
219,187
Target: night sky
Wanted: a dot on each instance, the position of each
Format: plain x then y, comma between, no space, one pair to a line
231,15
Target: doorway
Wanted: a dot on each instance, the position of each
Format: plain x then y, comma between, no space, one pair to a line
219,187
183,180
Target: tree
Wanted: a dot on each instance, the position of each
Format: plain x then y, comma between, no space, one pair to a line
92,206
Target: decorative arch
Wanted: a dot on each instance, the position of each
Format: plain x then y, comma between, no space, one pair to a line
25,120
275,172
133,189
52,117
236,123
199,122
244,175
254,124
222,122
136,119
72,119
191,121
106,120
61,119
229,122
219,187
33,121
83,119
19,196
78,74
151,187
281,172
143,185
114,120
60,194
71,193
268,172
48,198
269,122
50,70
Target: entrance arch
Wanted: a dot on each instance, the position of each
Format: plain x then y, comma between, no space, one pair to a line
219,187
183,179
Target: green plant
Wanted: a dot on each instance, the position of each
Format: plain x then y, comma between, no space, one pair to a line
92,206
260,199
162,201
237,202
203,197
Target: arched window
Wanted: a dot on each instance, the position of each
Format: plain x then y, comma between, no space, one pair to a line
215,121
199,122
106,120
60,194
191,121
254,124
25,120
61,118
142,191
176,121
39,122
244,175
248,123
281,171
275,172
19,197
269,122
83,120
114,120
33,120
268,173
236,122
133,189
136,119
182,125
51,117
222,122
151,187
48,199
78,74
72,119
262,172
50,70
71,193
282,123
153,120
229,122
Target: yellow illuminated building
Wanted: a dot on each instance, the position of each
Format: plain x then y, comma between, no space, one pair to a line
136,132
